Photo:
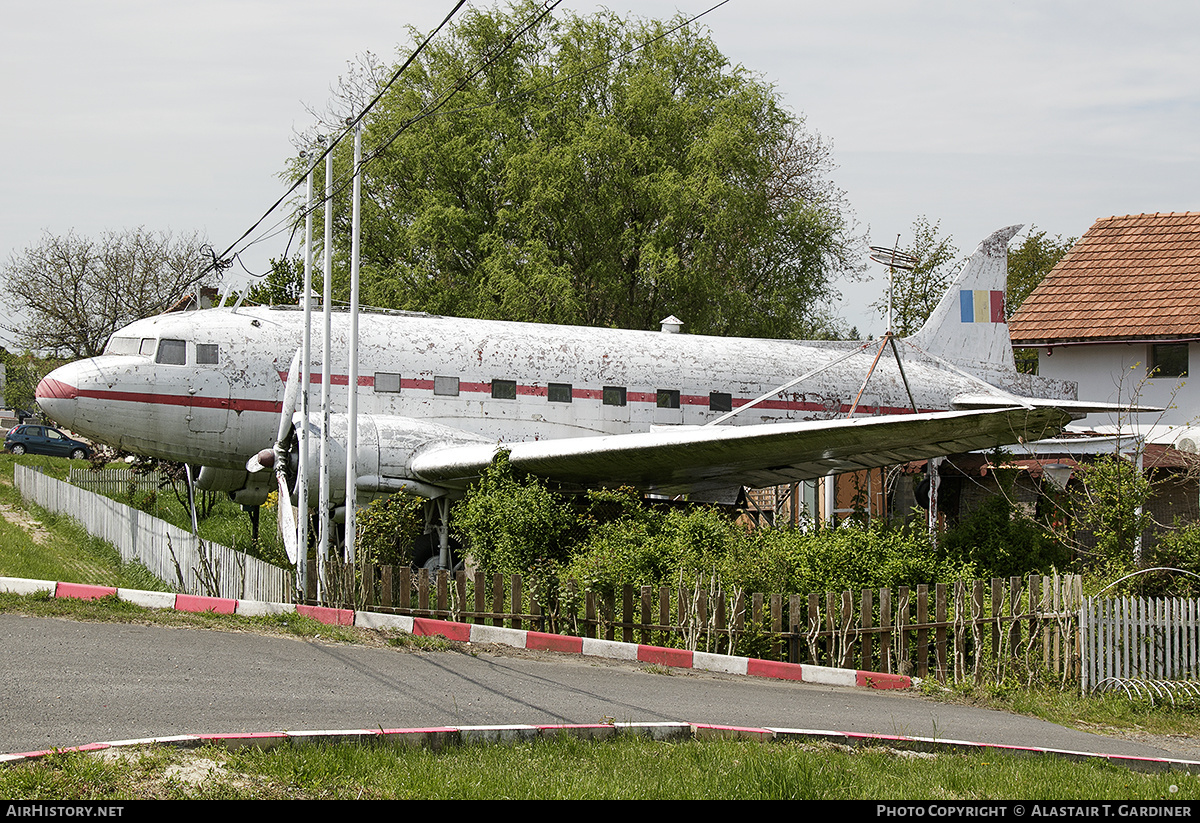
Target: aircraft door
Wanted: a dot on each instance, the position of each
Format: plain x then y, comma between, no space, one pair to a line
208,404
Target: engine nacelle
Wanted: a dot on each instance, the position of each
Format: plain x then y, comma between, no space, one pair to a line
244,488
386,446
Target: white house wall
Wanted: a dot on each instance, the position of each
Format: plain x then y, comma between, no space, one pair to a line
1117,373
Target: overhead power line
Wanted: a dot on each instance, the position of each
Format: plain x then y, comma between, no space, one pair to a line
437,105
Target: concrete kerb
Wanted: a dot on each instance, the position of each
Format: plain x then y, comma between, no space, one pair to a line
479,633
442,737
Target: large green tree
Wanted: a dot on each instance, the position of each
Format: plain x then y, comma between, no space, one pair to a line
1028,265
1030,262
595,171
284,284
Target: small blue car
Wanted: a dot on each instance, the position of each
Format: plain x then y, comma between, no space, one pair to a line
38,439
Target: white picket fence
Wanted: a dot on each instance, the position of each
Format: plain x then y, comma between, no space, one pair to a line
177,557
114,481
1139,639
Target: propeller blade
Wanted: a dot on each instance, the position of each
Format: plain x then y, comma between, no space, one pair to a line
287,521
291,391
278,458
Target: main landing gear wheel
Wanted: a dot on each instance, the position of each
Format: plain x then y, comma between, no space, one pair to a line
426,553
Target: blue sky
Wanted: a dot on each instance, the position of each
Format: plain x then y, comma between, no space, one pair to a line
121,113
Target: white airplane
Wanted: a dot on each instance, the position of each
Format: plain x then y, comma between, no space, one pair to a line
668,413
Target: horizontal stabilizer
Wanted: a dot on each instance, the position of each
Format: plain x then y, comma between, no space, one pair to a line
1076,408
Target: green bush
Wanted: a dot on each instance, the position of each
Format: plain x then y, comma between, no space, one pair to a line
606,538
1177,548
998,544
647,546
509,523
1110,503
385,530
848,557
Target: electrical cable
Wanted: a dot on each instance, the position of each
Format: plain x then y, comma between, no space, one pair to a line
436,106
354,122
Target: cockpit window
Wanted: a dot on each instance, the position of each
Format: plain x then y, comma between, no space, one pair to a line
148,346
172,352
122,345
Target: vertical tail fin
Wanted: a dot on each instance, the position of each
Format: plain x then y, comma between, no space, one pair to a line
968,326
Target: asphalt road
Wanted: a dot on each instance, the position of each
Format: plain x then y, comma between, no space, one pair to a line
67,683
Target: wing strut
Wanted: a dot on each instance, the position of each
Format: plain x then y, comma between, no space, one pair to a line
786,386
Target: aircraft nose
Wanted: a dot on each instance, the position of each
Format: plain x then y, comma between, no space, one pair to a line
57,393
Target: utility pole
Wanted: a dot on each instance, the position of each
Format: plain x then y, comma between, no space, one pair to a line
305,376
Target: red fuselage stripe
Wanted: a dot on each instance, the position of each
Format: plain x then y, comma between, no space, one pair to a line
274,406
233,404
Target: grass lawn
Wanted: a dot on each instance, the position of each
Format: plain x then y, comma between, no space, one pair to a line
40,545
624,768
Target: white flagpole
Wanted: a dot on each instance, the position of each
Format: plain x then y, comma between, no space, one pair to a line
352,405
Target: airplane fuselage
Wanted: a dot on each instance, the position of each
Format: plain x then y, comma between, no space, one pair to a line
207,387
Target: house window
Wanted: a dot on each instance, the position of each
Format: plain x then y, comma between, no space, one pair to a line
668,398
447,386
614,395
504,389
387,382
720,401
1169,360
559,392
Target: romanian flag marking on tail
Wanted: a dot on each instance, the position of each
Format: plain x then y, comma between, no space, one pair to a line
981,306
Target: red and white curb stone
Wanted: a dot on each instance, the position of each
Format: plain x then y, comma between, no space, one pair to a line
477,633
440,737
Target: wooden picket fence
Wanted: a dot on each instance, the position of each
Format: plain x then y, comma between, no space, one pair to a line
964,631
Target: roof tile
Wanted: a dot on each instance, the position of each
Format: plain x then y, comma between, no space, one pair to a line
1129,276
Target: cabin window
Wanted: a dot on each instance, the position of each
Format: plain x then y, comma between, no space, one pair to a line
614,395
387,382
504,389
1169,360
206,354
447,386
172,353
559,392
148,346
668,398
720,401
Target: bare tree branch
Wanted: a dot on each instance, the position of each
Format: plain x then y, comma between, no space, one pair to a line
76,291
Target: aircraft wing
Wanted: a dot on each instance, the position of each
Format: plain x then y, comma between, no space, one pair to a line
698,459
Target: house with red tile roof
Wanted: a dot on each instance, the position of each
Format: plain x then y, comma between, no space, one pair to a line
1120,316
